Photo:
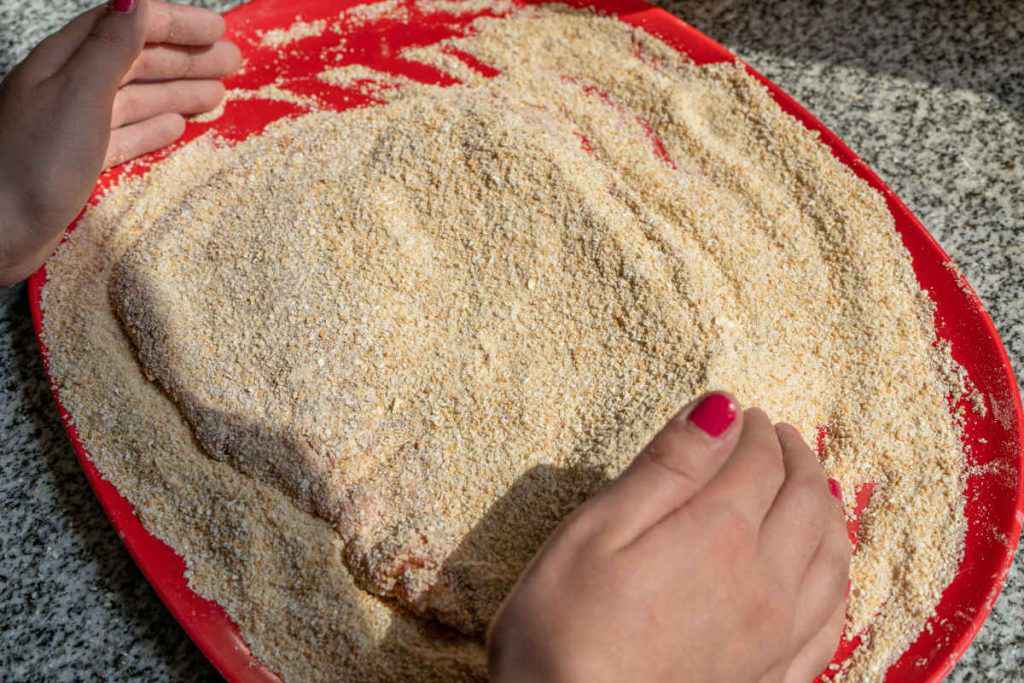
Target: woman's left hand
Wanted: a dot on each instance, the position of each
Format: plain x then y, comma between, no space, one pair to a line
113,84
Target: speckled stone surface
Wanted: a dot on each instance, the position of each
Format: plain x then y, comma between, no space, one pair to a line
930,94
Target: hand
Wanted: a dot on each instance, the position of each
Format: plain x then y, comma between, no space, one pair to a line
718,555
109,86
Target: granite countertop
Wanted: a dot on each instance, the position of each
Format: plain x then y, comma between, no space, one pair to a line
930,94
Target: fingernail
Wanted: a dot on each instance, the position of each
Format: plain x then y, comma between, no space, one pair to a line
123,6
835,490
714,414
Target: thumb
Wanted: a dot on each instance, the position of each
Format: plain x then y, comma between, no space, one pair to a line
109,49
679,461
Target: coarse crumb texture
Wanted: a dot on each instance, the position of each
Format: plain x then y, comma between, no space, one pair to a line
297,31
382,85
365,13
433,326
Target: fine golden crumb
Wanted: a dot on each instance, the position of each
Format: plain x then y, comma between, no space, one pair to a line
391,347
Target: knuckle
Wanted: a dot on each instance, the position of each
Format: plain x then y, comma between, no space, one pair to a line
125,102
772,476
675,428
811,492
671,457
186,62
730,525
674,449
577,529
143,63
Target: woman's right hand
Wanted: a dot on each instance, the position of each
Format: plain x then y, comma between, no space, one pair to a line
718,555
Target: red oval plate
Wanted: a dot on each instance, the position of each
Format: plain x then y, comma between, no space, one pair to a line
995,497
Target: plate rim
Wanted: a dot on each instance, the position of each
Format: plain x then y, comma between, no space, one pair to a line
164,568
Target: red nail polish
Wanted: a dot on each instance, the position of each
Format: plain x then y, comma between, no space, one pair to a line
835,490
123,6
714,414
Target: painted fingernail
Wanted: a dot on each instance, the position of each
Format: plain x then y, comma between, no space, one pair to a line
123,6
835,490
714,414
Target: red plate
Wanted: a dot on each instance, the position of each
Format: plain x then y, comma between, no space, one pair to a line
995,498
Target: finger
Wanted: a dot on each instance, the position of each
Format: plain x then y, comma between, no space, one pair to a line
750,479
141,101
106,53
143,137
55,50
677,463
183,25
165,23
167,62
826,581
86,84
816,654
801,511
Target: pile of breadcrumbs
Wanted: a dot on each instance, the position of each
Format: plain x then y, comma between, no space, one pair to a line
354,369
